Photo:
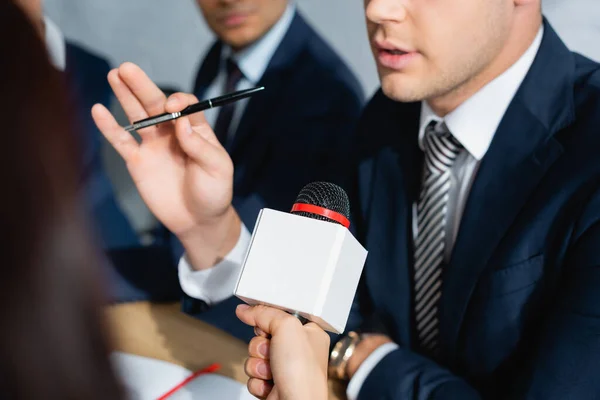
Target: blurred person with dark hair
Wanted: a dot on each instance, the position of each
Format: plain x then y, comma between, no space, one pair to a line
52,342
84,75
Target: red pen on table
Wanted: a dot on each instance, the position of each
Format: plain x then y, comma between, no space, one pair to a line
208,370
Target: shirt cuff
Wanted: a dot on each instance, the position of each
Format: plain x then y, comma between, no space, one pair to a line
215,284
365,369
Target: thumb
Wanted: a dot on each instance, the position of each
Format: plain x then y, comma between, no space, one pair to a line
267,319
196,145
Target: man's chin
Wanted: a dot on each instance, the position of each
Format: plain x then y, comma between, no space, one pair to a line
400,90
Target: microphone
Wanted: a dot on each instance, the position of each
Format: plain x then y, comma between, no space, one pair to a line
323,201
305,262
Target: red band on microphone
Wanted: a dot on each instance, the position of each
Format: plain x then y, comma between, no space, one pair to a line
332,215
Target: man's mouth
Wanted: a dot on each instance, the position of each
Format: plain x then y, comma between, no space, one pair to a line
395,52
393,57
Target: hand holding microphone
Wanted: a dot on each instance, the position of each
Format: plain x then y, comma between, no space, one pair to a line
292,355
303,266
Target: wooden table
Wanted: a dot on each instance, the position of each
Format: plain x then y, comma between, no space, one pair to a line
163,332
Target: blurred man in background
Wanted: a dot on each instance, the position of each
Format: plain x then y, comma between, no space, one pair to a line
297,131
299,126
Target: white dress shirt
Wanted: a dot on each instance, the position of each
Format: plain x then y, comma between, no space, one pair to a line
217,284
473,124
55,45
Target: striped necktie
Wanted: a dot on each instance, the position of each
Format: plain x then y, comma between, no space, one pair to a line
441,150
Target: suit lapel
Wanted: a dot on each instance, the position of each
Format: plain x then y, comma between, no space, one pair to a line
520,154
410,159
208,70
392,157
273,80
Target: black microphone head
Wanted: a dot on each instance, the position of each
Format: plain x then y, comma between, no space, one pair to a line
324,195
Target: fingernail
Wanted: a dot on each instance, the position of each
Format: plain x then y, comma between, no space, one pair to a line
262,369
171,102
263,350
243,307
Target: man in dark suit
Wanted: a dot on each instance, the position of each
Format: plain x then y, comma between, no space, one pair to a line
485,282
298,127
296,131
477,195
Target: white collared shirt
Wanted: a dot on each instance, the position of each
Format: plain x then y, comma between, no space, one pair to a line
253,62
55,45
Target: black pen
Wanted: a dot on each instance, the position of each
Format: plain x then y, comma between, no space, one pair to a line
194,108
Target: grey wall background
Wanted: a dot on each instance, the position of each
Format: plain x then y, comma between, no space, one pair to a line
578,24
168,38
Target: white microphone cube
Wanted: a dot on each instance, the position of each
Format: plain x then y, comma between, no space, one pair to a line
304,266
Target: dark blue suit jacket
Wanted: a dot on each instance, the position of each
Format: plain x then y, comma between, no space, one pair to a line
520,308
297,131
86,79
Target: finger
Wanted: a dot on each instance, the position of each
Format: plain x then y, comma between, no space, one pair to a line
319,335
268,319
131,105
178,102
149,95
195,145
259,347
259,388
311,327
118,137
259,332
257,368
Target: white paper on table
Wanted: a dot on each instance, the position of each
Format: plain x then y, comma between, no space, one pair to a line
148,378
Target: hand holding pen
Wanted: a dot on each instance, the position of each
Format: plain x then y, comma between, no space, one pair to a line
181,170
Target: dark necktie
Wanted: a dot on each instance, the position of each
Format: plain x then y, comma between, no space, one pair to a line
441,150
234,75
